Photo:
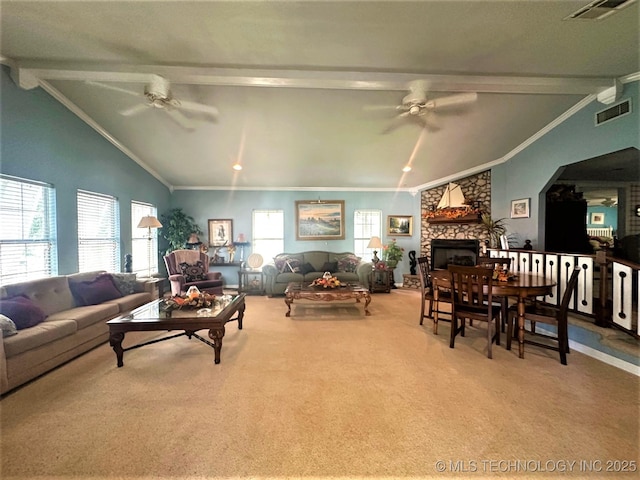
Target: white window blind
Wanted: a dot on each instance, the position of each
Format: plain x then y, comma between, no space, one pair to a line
98,232
366,224
268,233
144,249
28,248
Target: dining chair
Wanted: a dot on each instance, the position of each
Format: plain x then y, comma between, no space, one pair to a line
493,262
472,298
427,286
539,313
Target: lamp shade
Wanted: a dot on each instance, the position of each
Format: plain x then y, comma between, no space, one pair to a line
149,221
375,243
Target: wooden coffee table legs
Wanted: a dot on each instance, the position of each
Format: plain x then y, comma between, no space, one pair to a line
327,297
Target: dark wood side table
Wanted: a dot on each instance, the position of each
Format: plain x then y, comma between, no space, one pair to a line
251,282
380,280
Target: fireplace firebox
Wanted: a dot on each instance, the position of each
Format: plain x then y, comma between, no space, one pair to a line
456,252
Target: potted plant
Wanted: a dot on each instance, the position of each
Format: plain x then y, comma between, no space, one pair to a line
177,226
392,253
494,228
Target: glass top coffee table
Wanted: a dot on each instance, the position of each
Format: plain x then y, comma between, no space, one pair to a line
298,290
153,316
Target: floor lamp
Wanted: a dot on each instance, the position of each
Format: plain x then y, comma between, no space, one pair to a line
149,222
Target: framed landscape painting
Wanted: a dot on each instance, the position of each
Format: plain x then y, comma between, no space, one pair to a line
320,220
400,225
220,232
597,218
520,208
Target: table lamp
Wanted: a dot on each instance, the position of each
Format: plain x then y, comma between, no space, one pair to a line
375,242
149,222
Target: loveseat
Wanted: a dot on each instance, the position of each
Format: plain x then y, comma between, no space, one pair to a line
59,318
307,266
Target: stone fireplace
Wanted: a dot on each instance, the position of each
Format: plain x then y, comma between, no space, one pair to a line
475,188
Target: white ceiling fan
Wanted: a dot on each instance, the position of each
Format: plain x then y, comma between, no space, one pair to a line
416,105
158,94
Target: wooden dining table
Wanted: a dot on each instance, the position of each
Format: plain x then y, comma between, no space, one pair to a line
523,286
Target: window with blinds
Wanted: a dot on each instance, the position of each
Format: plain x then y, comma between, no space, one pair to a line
366,224
267,233
144,247
98,232
28,248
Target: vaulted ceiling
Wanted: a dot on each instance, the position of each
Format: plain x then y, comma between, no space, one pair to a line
296,85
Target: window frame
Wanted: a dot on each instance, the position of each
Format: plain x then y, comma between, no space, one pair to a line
257,240
97,212
140,238
363,231
40,216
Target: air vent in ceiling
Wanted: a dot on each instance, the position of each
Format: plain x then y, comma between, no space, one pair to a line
599,9
618,110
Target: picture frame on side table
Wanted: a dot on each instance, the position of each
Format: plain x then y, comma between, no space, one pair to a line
597,218
400,225
520,208
320,220
220,232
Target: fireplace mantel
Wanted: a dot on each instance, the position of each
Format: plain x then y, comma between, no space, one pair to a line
469,218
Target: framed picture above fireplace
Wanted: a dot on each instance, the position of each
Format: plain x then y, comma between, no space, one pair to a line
520,208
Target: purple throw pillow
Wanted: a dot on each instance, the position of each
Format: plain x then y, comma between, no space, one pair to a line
22,311
97,291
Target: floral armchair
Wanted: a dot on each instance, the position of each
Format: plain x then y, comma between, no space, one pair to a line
188,268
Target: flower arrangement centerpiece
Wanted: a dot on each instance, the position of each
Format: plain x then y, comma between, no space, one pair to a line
192,299
326,281
392,253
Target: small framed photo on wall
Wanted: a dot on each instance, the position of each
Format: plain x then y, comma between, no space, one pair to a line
597,218
520,208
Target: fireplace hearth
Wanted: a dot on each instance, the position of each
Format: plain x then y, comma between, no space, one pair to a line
456,252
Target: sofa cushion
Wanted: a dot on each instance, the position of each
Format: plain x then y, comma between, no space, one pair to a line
193,272
41,334
127,283
22,311
348,263
51,294
96,291
289,277
87,315
330,267
317,259
129,302
306,268
7,326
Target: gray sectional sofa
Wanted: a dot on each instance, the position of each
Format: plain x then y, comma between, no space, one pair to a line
71,325
307,266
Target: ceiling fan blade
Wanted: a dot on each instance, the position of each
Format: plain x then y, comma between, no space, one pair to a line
135,109
451,100
180,119
199,107
378,108
114,88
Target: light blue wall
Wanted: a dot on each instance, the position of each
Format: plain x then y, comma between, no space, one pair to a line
574,140
42,140
238,206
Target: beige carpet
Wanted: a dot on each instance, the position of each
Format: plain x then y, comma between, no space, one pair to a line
325,393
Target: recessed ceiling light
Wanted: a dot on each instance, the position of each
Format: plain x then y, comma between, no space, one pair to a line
406,168
237,166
